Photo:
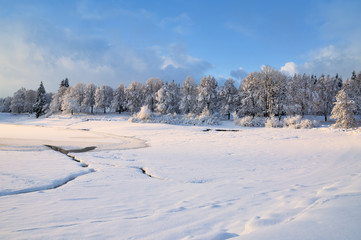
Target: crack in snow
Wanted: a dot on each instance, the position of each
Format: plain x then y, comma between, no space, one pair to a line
56,184
145,172
60,182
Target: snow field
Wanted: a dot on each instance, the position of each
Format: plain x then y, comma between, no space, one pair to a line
258,183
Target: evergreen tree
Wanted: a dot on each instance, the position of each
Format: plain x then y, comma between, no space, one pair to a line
64,83
343,111
40,105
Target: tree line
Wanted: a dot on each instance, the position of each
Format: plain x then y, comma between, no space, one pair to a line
268,92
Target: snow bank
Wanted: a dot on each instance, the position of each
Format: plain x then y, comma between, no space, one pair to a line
295,122
249,121
175,119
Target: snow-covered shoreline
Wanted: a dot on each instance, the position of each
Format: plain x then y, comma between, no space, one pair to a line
257,183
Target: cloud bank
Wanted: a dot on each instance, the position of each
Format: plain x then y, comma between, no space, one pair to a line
34,51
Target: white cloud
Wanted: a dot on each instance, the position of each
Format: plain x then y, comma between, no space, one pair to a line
24,63
329,60
340,28
289,68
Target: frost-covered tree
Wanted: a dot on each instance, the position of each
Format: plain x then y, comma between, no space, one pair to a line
324,95
207,94
343,111
2,100
228,97
279,95
152,85
30,99
134,96
5,104
18,101
40,105
188,102
89,101
78,92
250,92
57,101
69,102
273,95
103,97
299,95
353,90
168,98
118,103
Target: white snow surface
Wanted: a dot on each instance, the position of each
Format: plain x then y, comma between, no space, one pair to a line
257,183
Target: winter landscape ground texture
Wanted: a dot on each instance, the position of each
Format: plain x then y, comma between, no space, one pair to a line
158,181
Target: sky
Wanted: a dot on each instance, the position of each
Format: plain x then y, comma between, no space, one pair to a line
111,42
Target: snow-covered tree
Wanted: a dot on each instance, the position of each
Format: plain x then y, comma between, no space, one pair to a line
134,96
40,105
103,97
78,92
30,99
188,102
299,95
273,95
18,101
69,102
168,98
324,95
152,85
207,94
118,103
353,90
250,93
89,100
5,104
57,101
228,97
343,111
279,95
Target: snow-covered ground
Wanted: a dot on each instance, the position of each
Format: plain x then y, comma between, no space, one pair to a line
257,183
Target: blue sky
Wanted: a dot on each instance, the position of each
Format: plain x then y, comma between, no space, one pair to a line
108,42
